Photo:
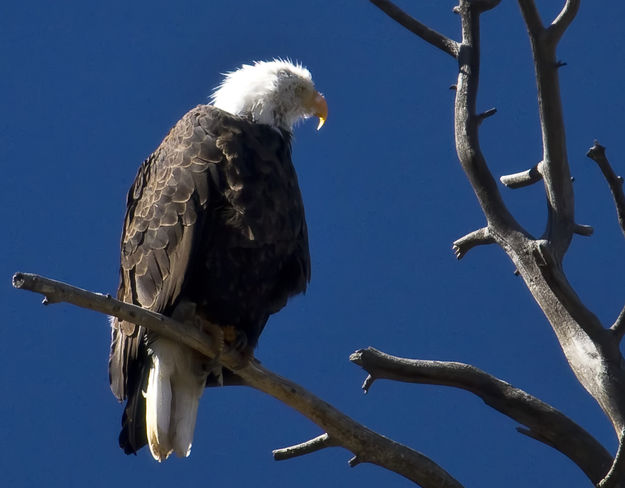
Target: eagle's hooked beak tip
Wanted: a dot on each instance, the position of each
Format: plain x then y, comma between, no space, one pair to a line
320,109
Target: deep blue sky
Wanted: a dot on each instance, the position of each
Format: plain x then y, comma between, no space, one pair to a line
88,90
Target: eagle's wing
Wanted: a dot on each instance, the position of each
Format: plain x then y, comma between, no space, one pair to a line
165,211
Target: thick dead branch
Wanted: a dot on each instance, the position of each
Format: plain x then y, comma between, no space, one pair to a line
532,17
478,237
368,446
467,124
56,292
436,39
524,178
597,154
544,422
321,442
616,476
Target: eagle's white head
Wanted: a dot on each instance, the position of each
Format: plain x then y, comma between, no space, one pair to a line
278,93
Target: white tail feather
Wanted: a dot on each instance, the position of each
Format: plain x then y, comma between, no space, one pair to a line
175,384
186,400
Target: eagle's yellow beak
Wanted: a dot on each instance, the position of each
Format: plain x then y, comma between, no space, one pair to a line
319,108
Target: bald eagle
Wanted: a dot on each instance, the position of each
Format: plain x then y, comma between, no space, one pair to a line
214,232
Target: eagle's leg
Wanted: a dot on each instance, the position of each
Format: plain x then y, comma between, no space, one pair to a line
237,340
188,311
213,366
234,338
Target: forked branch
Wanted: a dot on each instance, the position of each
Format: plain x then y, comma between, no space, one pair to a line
556,172
589,348
563,20
543,422
367,446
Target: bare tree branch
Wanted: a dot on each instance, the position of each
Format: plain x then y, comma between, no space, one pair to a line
532,17
545,423
523,178
556,173
563,20
368,446
478,237
583,230
367,384
499,219
436,39
590,349
484,115
597,154
618,327
56,292
616,476
320,442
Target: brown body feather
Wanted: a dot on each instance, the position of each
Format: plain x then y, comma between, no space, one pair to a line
214,217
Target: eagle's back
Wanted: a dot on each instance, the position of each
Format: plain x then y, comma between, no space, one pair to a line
214,216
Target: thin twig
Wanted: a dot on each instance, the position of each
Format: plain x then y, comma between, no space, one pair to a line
321,442
523,178
436,39
367,445
544,422
597,154
487,113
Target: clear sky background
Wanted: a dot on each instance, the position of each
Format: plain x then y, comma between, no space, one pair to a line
88,89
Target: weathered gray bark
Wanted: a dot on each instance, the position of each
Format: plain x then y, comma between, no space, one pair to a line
543,422
591,349
366,445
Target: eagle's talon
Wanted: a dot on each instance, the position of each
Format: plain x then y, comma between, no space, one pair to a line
234,338
216,332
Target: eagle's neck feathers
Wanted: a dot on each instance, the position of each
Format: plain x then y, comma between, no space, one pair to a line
267,92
